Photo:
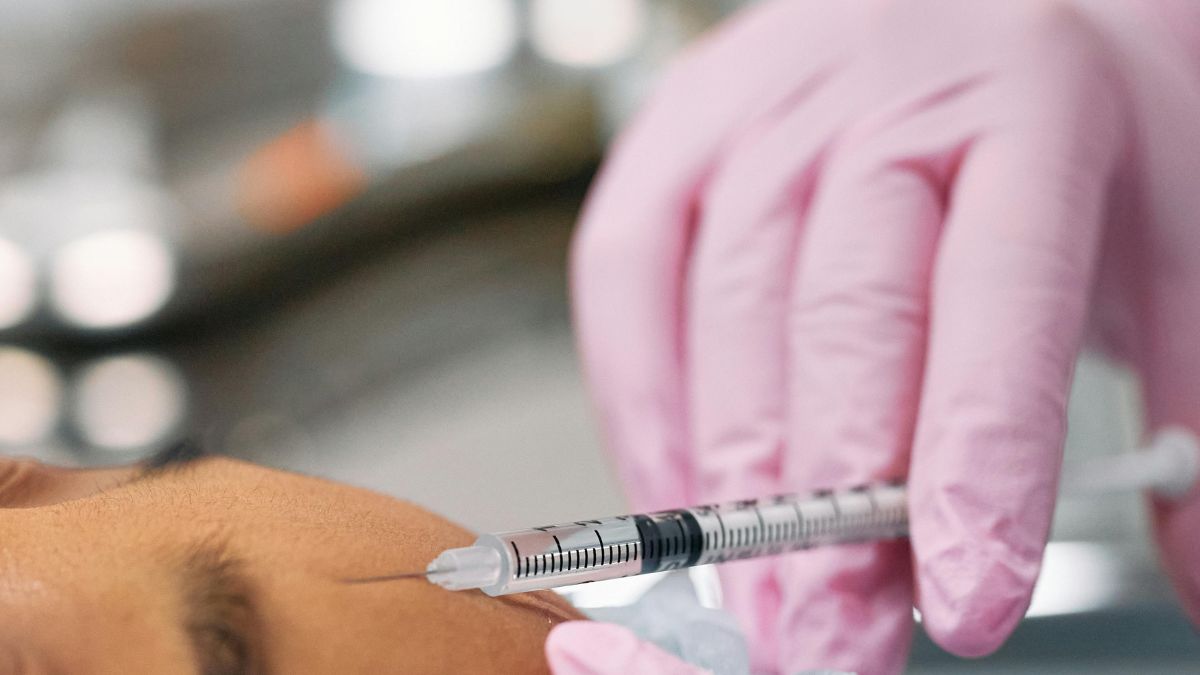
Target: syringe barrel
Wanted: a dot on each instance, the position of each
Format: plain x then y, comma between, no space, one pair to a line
562,555
620,546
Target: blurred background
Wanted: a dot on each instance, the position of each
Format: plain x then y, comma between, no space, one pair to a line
330,236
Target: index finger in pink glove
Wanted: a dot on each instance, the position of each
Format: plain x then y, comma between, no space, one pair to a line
596,648
1009,302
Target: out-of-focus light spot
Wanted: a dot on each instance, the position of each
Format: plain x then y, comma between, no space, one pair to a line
105,125
112,278
587,33
1076,577
18,284
127,403
424,38
297,178
30,397
386,125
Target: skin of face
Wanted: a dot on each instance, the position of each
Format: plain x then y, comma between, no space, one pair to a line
220,567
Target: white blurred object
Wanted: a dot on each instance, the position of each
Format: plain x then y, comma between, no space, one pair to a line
128,403
383,125
620,592
672,615
18,284
112,278
1075,577
30,397
587,33
1168,466
419,38
625,591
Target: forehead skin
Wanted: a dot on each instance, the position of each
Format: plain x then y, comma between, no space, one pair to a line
91,585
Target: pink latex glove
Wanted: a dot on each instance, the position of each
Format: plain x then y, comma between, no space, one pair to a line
855,241
595,648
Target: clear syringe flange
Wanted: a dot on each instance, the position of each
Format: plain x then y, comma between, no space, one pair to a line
620,546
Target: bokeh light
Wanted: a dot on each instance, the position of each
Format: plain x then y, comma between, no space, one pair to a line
420,38
128,402
112,278
587,33
30,397
18,284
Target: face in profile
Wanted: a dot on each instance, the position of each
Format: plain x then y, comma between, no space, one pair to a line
208,565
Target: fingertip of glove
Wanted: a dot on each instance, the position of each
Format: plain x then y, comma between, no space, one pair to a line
970,604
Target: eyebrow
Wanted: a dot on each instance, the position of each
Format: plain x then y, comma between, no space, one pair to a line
221,619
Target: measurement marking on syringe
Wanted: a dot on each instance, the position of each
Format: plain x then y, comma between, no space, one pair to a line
801,526
560,552
721,521
833,501
517,555
762,524
864,489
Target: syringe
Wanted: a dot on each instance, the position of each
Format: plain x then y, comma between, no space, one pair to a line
620,546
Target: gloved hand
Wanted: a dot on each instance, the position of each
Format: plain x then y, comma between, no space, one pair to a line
854,241
597,648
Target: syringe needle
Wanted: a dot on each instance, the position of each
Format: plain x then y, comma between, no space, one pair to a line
386,577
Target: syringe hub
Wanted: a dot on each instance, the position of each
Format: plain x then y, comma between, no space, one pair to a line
460,569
